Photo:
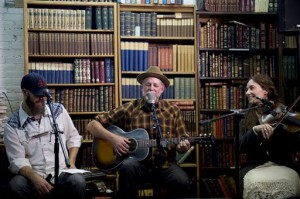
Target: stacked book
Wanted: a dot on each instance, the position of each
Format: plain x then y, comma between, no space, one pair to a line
3,111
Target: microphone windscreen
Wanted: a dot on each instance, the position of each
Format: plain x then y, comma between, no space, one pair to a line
150,97
47,94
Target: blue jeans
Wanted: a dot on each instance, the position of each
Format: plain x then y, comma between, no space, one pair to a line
69,186
132,173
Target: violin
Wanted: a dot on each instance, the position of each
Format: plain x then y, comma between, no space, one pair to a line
280,115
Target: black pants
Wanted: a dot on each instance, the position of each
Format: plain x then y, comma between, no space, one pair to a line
132,173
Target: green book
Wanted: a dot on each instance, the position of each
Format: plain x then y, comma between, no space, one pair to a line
104,17
110,18
98,18
88,17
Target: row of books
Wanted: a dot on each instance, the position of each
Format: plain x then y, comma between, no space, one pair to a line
184,105
293,91
239,6
188,112
234,34
220,95
137,56
85,160
94,71
220,154
290,41
85,99
81,71
220,64
216,126
80,125
153,24
41,43
221,187
179,88
172,57
138,23
87,0
102,44
130,1
182,27
290,70
151,2
100,17
54,72
265,5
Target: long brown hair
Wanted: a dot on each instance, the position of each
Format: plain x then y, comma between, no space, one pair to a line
266,83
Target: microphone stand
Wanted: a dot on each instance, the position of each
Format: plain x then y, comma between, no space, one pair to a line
58,141
236,137
235,112
158,131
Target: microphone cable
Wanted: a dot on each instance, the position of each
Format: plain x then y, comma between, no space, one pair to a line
7,99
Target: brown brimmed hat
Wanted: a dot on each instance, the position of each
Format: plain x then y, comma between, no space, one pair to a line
153,71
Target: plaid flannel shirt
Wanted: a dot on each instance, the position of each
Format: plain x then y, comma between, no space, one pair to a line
136,114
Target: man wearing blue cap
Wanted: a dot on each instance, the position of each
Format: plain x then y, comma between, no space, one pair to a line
29,143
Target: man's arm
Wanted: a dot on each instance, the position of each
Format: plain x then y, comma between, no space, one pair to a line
120,143
40,184
72,156
184,145
97,130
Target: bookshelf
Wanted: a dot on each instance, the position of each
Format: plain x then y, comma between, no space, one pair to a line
234,43
74,45
163,36
289,66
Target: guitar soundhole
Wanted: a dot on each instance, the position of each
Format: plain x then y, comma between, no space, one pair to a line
132,145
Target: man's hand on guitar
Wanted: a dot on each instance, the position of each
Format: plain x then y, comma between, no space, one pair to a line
183,146
121,145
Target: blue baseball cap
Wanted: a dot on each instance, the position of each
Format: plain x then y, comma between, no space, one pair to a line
35,83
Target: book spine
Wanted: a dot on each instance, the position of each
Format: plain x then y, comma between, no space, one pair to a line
88,17
105,17
110,18
99,18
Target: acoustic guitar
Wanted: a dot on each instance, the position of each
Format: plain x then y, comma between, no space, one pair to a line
105,157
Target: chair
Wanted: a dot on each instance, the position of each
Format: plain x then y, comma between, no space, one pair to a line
271,181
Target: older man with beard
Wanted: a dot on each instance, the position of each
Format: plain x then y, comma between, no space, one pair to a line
160,166
29,143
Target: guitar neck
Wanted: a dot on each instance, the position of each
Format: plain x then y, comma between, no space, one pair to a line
164,141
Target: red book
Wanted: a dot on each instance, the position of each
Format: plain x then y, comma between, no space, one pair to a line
92,69
102,72
224,188
97,71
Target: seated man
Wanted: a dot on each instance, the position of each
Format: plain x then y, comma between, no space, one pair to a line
160,165
29,143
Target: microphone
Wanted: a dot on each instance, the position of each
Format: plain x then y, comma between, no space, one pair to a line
48,95
267,102
150,97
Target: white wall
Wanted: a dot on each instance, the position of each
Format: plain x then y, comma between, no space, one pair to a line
11,53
